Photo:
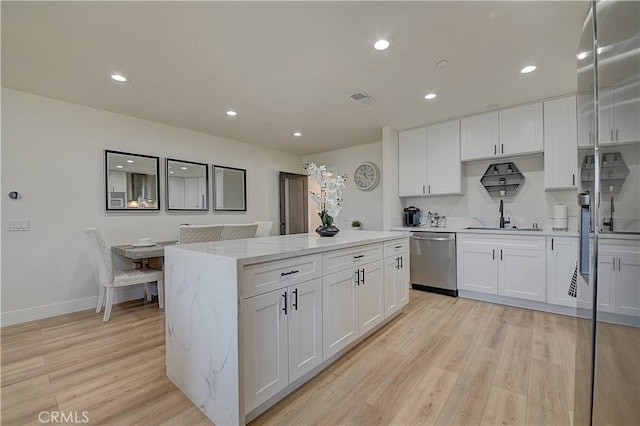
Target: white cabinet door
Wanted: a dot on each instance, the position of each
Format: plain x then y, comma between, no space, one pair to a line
479,136
562,257
585,120
192,196
606,117
522,274
627,294
521,130
176,193
560,144
607,265
305,328
117,181
477,268
266,360
370,305
627,113
391,303
443,158
412,162
339,319
402,281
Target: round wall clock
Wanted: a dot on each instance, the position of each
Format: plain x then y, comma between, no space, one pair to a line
367,176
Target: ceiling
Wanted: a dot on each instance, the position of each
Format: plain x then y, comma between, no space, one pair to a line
287,66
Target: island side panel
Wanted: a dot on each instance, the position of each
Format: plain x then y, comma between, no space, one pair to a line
201,302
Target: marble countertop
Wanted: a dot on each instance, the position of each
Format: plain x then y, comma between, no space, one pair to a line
542,233
263,249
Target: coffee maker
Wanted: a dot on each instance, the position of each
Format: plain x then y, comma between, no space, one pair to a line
411,216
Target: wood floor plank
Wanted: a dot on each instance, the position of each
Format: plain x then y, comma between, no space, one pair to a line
545,345
547,404
504,408
512,372
425,402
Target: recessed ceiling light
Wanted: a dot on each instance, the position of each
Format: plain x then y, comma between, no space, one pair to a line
528,69
170,173
183,168
381,44
130,161
119,167
119,78
582,55
297,134
430,96
232,113
443,63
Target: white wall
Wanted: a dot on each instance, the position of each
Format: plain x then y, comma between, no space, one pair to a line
392,205
363,205
52,153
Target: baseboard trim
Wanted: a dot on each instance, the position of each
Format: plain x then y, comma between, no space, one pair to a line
34,313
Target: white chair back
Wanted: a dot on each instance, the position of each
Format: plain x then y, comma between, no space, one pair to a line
199,233
235,232
264,229
101,256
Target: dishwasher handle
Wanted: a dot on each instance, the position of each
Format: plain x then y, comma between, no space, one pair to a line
433,237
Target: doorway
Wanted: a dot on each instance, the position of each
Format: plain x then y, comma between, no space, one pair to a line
294,216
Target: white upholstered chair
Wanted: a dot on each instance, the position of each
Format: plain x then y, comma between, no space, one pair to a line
110,279
199,233
264,229
234,232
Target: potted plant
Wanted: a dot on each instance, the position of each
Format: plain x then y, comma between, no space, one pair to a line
328,200
356,224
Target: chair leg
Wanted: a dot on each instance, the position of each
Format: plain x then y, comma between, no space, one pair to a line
147,293
109,303
161,294
100,300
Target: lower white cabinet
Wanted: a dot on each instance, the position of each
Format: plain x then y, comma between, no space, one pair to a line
618,272
396,283
282,339
502,265
353,304
562,258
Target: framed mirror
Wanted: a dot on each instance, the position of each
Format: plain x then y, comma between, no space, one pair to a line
230,189
132,181
187,185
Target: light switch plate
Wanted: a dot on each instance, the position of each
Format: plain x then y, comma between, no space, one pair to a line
19,225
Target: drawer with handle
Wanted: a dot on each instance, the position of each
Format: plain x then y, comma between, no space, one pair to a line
340,260
267,276
392,248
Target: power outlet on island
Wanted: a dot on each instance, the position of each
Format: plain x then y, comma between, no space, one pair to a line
19,225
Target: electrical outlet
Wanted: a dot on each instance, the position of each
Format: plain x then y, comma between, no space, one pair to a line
19,225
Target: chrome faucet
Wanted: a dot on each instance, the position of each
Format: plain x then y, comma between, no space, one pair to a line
610,223
502,221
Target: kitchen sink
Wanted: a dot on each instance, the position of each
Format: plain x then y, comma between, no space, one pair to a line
495,228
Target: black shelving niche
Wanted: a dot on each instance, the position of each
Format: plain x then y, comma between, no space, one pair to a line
502,179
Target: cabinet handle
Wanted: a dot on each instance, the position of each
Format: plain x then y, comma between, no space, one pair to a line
398,262
614,263
493,254
495,149
429,187
401,262
501,148
612,135
285,302
573,177
616,134
619,266
400,246
358,277
500,254
360,256
552,244
283,274
295,304
423,189
362,276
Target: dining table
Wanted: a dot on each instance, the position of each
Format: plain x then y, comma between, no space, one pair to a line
141,252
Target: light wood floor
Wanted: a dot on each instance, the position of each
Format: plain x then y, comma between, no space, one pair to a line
443,361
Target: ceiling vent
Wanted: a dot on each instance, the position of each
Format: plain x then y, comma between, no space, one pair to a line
362,98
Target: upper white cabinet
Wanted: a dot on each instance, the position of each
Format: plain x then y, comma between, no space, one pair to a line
479,136
117,181
560,144
585,120
521,130
412,162
429,160
618,114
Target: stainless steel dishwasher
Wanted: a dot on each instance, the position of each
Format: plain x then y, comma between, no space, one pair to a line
433,262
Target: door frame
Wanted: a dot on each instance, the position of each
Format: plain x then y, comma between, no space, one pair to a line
283,176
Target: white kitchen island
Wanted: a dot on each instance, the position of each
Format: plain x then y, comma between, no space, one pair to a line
248,321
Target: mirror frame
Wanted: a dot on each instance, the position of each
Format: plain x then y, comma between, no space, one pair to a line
106,183
207,189
244,189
